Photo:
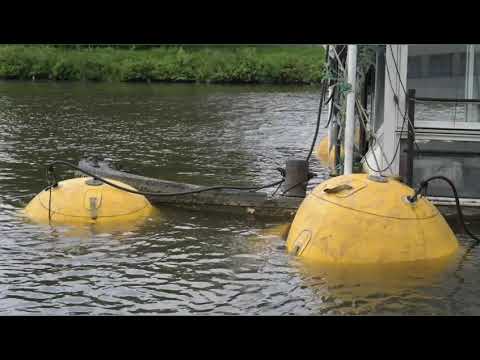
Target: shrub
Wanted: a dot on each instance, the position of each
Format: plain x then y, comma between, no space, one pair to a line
14,62
95,70
137,70
66,69
221,64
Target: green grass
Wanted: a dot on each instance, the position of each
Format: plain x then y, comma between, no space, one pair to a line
226,64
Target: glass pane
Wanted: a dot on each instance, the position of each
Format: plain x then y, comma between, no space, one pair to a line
440,71
472,86
437,70
457,160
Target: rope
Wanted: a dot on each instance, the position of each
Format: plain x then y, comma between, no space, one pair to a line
276,190
291,187
52,182
330,116
146,193
50,204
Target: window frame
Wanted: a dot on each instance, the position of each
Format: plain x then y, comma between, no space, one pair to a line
457,125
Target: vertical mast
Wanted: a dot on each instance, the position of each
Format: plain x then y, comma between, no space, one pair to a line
350,112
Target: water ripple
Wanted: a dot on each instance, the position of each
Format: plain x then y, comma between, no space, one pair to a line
184,262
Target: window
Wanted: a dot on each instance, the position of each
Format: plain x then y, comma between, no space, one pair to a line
437,70
415,67
440,65
459,63
445,71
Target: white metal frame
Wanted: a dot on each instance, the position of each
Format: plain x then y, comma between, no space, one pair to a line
350,111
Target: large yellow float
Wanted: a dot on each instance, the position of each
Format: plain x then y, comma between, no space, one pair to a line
88,201
359,219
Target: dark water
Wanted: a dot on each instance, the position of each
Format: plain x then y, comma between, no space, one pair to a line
184,262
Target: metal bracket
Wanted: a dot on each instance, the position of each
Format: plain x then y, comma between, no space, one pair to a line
93,182
378,178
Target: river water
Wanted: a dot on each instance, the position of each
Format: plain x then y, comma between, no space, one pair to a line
180,261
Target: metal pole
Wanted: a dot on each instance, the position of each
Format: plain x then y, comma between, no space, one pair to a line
362,143
350,115
296,178
411,136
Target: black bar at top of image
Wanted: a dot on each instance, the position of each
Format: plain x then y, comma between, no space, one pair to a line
190,23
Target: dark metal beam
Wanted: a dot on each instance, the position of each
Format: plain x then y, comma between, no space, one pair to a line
411,136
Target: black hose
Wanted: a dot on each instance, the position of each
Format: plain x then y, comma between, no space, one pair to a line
145,193
319,116
322,99
330,117
424,185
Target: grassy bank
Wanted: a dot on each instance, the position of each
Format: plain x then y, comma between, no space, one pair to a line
229,64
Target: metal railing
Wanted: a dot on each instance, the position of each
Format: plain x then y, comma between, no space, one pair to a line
444,100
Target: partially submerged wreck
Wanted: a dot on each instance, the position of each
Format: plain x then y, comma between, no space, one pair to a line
252,203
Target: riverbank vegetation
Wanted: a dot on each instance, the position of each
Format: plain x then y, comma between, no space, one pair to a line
216,64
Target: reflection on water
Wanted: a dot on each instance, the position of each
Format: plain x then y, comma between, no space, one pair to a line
380,289
180,261
449,112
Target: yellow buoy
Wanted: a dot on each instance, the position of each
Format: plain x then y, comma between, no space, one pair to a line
359,219
88,201
277,230
326,156
326,153
322,152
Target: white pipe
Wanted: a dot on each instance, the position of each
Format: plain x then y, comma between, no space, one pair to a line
350,112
